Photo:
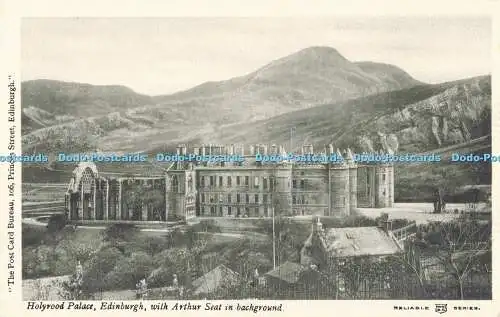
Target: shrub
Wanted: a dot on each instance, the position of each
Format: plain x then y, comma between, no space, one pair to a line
56,223
120,232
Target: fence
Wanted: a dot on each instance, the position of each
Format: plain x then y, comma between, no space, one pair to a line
477,286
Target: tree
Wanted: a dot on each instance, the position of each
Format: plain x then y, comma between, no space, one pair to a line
139,195
155,201
463,245
352,273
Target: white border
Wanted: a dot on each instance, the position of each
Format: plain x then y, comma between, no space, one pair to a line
12,11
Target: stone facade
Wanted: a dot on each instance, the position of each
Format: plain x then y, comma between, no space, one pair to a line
233,189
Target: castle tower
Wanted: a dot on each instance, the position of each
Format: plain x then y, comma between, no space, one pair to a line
384,185
339,188
353,179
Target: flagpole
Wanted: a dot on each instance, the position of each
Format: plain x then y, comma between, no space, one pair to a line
274,244
273,199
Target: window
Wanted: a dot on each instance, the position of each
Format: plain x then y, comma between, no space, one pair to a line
266,211
175,184
294,200
220,211
383,192
202,198
238,211
256,198
383,177
229,211
256,182
212,210
202,181
229,198
247,180
294,183
264,183
203,210
247,198
221,182
212,180
256,211
303,199
302,184
229,181
264,198
238,198
238,181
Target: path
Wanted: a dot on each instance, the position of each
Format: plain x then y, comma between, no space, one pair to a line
419,212
37,222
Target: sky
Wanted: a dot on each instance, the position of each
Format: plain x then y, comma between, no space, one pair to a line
158,56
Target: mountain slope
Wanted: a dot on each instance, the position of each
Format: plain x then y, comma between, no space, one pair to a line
51,102
415,119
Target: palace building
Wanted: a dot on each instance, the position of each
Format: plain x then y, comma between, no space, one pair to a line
184,190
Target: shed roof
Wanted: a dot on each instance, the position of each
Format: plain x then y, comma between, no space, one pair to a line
221,275
359,241
289,272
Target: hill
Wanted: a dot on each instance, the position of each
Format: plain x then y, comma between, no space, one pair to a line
312,76
302,80
50,102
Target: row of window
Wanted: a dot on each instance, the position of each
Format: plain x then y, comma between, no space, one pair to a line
219,198
215,181
239,181
214,198
238,211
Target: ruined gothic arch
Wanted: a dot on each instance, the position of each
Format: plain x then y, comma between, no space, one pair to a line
85,174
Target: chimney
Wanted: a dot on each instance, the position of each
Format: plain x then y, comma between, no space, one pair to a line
307,149
274,149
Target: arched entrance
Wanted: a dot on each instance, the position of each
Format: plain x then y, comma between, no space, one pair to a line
82,192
